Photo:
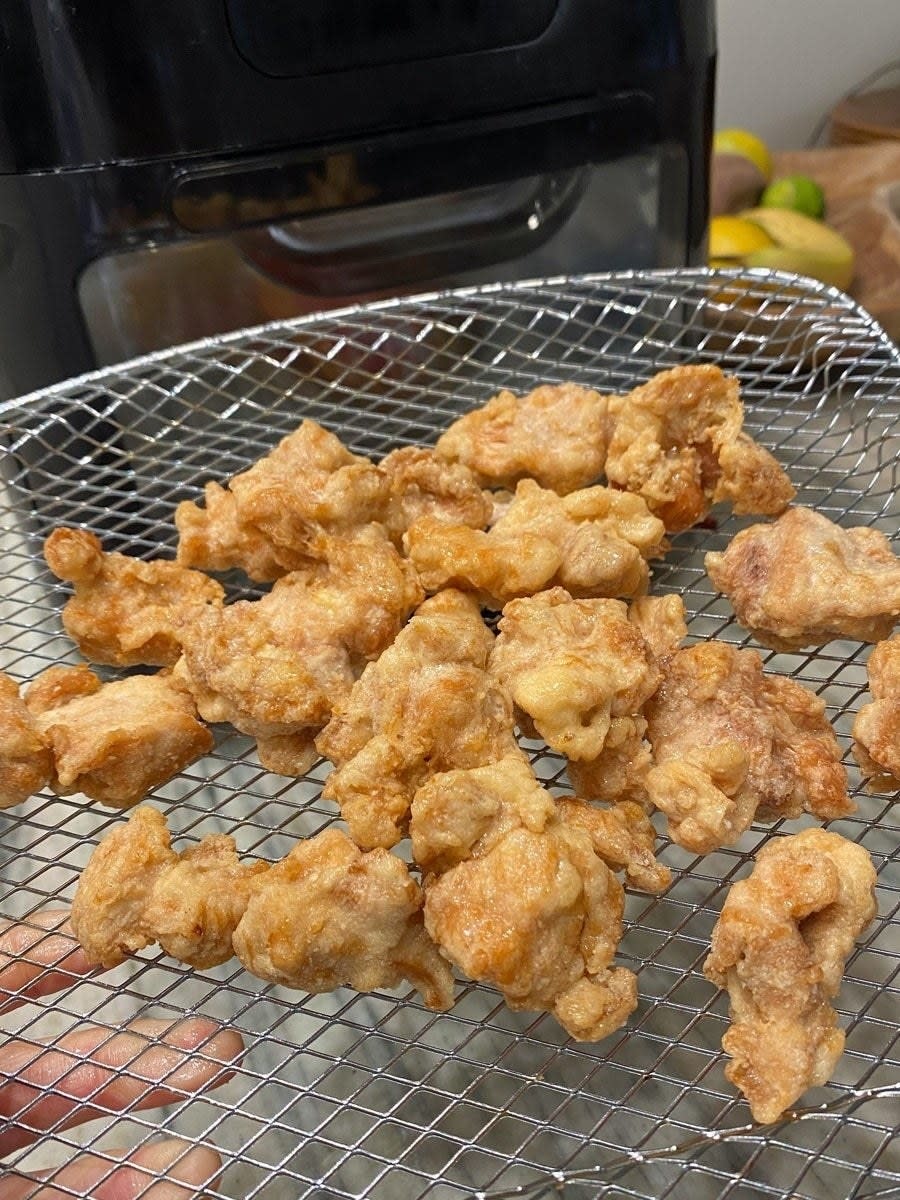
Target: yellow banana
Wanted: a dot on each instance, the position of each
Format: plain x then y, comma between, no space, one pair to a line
803,246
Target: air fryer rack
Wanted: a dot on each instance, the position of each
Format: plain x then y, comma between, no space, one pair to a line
373,1096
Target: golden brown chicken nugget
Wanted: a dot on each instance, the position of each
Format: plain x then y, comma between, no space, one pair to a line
571,667
519,898
779,947
328,914
678,441
876,730
276,668
593,542
125,611
556,434
268,519
803,580
25,762
116,742
136,890
426,705
731,743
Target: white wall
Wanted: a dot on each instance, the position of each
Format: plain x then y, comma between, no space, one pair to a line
783,64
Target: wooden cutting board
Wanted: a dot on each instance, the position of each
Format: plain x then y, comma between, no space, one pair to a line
862,200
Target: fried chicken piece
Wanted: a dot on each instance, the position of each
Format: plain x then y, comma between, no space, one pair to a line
802,581
557,434
25,763
275,668
136,891
426,705
593,542
125,611
607,751
422,485
329,914
876,730
779,947
570,667
495,569
678,441
325,915
731,744
114,742
519,898
215,539
308,484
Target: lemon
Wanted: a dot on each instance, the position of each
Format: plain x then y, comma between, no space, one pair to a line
747,145
731,239
797,192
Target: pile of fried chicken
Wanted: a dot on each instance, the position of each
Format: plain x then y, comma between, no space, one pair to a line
371,649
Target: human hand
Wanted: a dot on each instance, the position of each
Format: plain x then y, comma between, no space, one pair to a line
93,1071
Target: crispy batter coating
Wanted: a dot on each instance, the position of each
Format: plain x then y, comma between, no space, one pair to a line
136,890
58,685
329,914
619,773
523,901
115,742
623,837
731,744
276,667
125,611
422,485
308,484
557,434
570,667
426,705
876,730
802,581
215,539
25,763
593,542
660,620
779,947
678,442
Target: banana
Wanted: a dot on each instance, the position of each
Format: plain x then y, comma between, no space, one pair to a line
803,246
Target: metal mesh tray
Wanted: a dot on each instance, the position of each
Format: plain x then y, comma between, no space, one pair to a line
347,1095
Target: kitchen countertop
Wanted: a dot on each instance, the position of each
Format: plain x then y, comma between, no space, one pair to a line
862,198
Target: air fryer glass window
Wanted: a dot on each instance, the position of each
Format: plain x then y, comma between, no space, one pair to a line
615,215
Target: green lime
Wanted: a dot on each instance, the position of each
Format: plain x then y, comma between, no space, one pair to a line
797,192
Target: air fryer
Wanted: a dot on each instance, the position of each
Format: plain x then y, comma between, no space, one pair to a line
171,170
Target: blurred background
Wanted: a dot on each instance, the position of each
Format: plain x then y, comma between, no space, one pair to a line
783,66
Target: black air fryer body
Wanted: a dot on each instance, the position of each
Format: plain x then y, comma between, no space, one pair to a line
323,150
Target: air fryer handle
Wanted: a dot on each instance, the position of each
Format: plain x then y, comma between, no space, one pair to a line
409,165
359,251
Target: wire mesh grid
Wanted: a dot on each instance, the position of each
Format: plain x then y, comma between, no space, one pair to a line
345,1095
